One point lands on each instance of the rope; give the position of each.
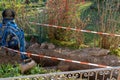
(61, 59)
(75, 29)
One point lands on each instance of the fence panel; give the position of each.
(91, 74)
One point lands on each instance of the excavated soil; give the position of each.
(92, 55)
(8, 58)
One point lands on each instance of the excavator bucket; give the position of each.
(27, 66)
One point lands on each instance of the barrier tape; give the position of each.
(75, 29)
(61, 59)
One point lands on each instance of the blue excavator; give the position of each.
(12, 36)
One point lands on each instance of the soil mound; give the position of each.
(91, 55)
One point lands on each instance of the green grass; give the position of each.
(116, 52)
(9, 70)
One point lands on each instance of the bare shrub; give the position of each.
(65, 13)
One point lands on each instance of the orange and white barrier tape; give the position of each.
(61, 59)
(74, 29)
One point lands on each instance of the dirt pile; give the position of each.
(92, 55)
(9, 57)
